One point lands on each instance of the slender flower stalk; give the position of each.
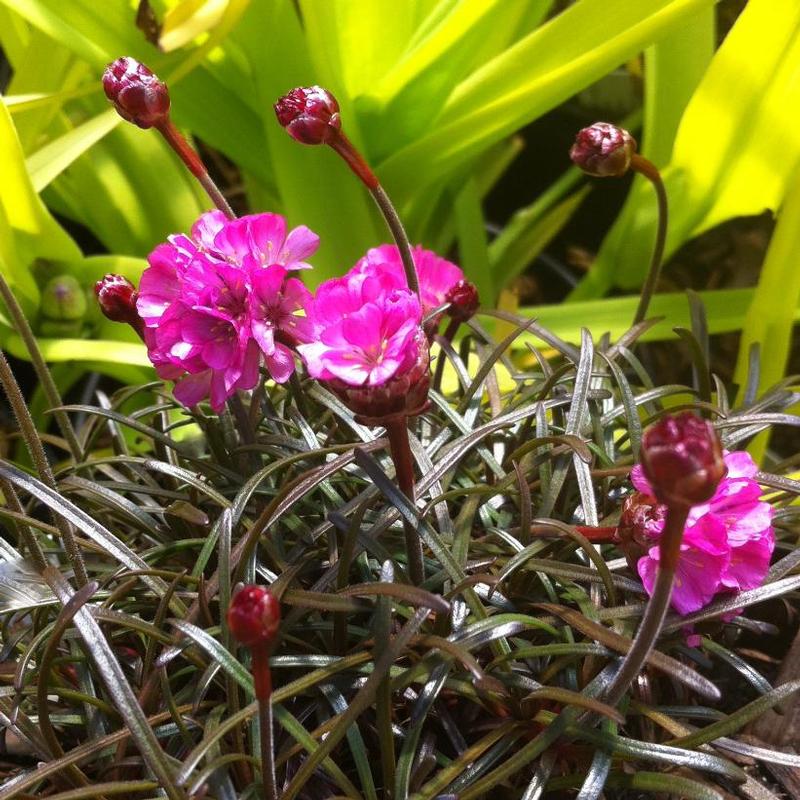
(142, 99)
(253, 619)
(682, 459)
(607, 151)
(310, 115)
(400, 448)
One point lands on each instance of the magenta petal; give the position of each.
(280, 363)
(221, 390)
(250, 367)
(640, 482)
(749, 563)
(267, 235)
(355, 373)
(208, 225)
(193, 388)
(313, 357)
(747, 522)
(301, 243)
(220, 353)
(264, 334)
(740, 464)
(267, 281)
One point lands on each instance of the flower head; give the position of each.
(218, 303)
(309, 114)
(440, 281)
(254, 616)
(727, 542)
(603, 150)
(368, 344)
(116, 296)
(682, 459)
(137, 94)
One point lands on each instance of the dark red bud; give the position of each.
(116, 297)
(137, 94)
(682, 458)
(463, 299)
(309, 114)
(603, 150)
(254, 616)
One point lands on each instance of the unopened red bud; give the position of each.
(603, 150)
(116, 296)
(463, 299)
(137, 94)
(309, 114)
(254, 616)
(682, 458)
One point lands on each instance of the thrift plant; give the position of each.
(351, 545)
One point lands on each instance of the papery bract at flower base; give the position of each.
(218, 302)
(727, 544)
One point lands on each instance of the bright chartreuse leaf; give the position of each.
(27, 229)
(187, 20)
(51, 160)
(773, 309)
(314, 186)
(543, 69)
(725, 309)
(731, 151)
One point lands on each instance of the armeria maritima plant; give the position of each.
(472, 638)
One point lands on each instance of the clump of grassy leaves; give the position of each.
(483, 680)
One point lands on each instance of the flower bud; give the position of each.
(254, 616)
(137, 94)
(116, 297)
(683, 460)
(603, 150)
(63, 300)
(463, 299)
(309, 114)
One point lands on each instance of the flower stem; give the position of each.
(34, 444)
(646, 636)
(345, 148)
(598, 534)
(42, 371)
(397, 431)
(187, 154)
(449, 333)
(650, 171)
(262, 679)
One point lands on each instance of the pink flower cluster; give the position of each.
(727, 543)
(219, 302)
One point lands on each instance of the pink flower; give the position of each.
(368, 343)
(218, 302)
(438, 277)
(727, 543)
